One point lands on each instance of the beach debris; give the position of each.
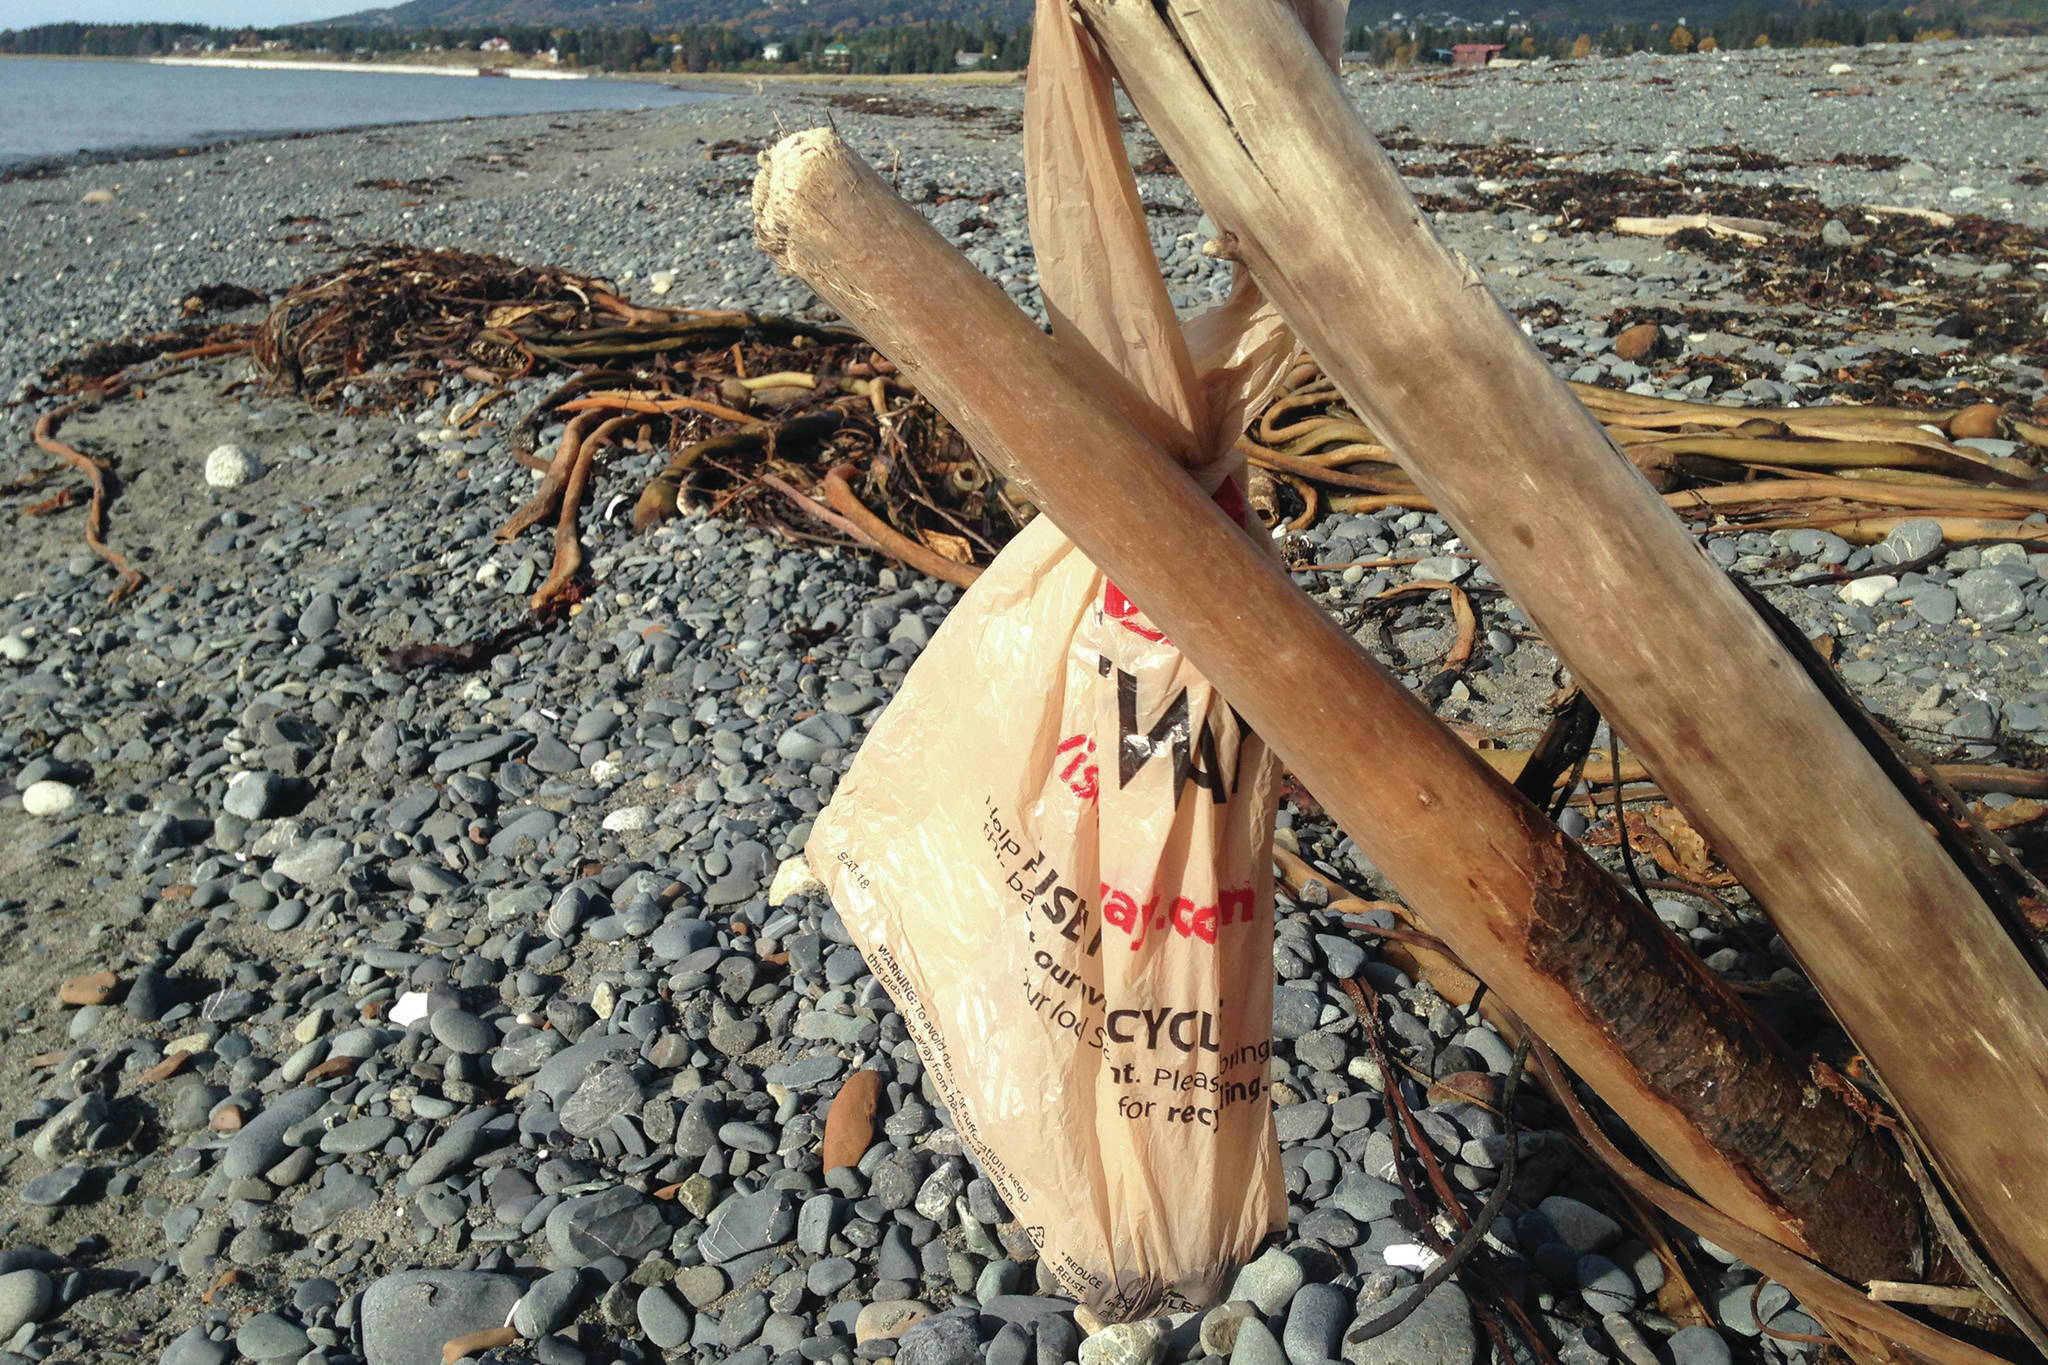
(98, 477)
(1753, 231)
(231, 466)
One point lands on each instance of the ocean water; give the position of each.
(52, 109)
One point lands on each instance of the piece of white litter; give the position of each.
(1410, 1256)
(793, 878)
(408, 1009)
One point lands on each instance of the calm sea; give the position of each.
(54, 109)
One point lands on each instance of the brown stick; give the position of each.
(544, 500)
(619, 402)
(1660, 1037)
(96, 511)
(568, 547)
(1887, 927)
(885, 537)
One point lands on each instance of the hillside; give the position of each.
(779, 16)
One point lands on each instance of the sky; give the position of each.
(225, 13)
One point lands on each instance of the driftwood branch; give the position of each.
(1659, 1036)
(1914, 964)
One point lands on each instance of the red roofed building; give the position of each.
(1476, 54)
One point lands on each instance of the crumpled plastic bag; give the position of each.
(1055, 846)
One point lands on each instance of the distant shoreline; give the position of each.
(531, 73)
(679, 80)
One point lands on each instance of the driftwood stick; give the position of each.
(1887, 927)
(1658, 1035)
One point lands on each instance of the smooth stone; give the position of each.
(750, 1222)
(1255, 1344)
(462, 1032)
(194, 1347)
(1271, 1281)
(548, 1305)
(1438, 1332)
(54, 1190)
(261, 1142)
(1315, 1324)
(1579, 1226)
(940, 1341)
(1699, 1346)
(267, 1336)
(25, 1296)
(1127, 1343)
(888, 1321)
(665, 1321)
(406, 1318)
(48, 797)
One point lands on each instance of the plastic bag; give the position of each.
(1054, 847)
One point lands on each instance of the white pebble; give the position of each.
(1868, 592)
(629, 819)
(409, 1008)
(13, 648)
(231, 466)
(47, 798)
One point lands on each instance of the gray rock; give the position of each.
(62, 1186)
(1255, 1344)
(1605, 1286)
(662, 1317)
(1908, 542)
(607, 1093)
(1315, 1324)
(462, 1031)
(340, 1193)
(1699, 1346)
(406, 1318)
(25, 1296)
(748, 1222)
(1295, 1011)
(548, 1305)
(261, 1142)
(267, 1336)
(939, 1341)
(1989, 597)
(1127, 1343)
(615, 1222)
(253, 795)
(313, 862)
(1934, 605)
(457, 1146)
(1438, 1332)
(1271, 1281)
(1578, 1226)
(194, 1347)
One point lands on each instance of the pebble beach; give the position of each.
(346, 1012)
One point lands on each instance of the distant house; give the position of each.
(771, 52)
(968, 61)
(1476, 54)
(495, 45)
(839, 55)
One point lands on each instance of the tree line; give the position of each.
(1749, 26)
(935, 47)
(690, 48)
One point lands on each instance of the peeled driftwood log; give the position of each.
(1918, 969)
(1659, 1036)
